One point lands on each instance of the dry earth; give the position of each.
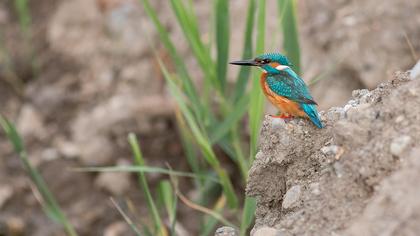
(357, 176)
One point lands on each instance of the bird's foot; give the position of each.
(282, 116)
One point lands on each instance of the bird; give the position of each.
(284, 88)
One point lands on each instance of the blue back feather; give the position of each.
(310, 110)
(287, 83)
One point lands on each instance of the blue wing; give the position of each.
(287, 83)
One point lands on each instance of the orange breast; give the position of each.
(286, 106)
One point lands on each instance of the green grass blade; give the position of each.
(190, 19)
(24, 15)
(210, 222)
(51, 206)
(210, 212)
(189, 26)
(257, 99)
(126, 218)
(222, 39)
(169, 200)
(139, 161)
(226, 146)
(146, 169)
(222, 200)
(188, 144)
(187, 83)
(202, 140)
(289, 26)
(240, 160)
(244, 71)
(248, 215)
(230, 120)
(167, 197)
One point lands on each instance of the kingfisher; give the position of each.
(284, 88)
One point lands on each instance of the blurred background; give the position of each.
(77, 76)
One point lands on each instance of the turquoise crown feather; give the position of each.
(277, 57)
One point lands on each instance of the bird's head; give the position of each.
(269, 62)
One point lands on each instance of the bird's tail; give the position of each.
(310, 110)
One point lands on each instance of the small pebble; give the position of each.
(6, 193)
(338, 169)
(415, 72)
(314, 187)
(292, 196)
(12, 226)
(359, 92)
(116, 183)
(267, 231)
(67, 149)
(399, 119)
(50, 154)
(330, 150)
(30, 123)
(412, 91)
(226, 231)
(4, 16)
(277, 122)
(399, 144)
(118, 228)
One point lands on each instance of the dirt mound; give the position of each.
(355, 177)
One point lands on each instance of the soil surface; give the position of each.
(357, 176)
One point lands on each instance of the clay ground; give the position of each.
(91, 86)
(357, 176)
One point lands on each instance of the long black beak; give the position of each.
(244, 63)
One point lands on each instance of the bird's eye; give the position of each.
(263, 61)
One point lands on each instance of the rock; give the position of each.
(338, 169)
(119, 228)
(30, 123)
(180, 229)
(399, 119)
(49, 154)
(96, 152)
(6, 192)
(413, 92)
(14, 226)
(67, 149)
(315, 189)
(330, 150)
(415, 72)
(292, 197)
(116, 183)
(4, 16)
(267, 231)
(399, 145)
(357, 94)
(276, 122)
(226, 231)
(334, 113)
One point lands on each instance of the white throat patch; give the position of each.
(281, 67)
